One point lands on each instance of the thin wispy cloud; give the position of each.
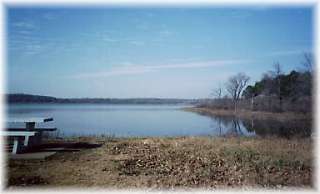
(29, 46)
(23, 30)
(200, 64)
(150, 14)
(127, 47)
(288, 52)
(108, 39)
(34, 49)
(166, 33)
(142, 26)
(27, 49)
(138, 69)
(50, 16)
(24, 24)
(184, 60)
(126, 63)
(104, 36)
(112, 72)
(241, 14)
(22, 39)
(137, 43)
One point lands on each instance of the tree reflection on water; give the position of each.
(228, 126)
(287, 129)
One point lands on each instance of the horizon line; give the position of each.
(106, 97)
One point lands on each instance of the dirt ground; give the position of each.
(166, 163)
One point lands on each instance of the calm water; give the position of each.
(137, 120)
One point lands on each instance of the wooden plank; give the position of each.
(45, 129)
(18, 133)
(35, 129)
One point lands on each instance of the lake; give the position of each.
(141, 120)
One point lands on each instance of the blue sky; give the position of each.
(149, 52)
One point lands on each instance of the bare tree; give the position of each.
(308, 62)
(277, 69)
(267, 79)
(235, 86)
(277, 73)
(217, 97)
(217, 93)
(304, 85)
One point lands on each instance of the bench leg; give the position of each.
(15, 145)
(26, 141)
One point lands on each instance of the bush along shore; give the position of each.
(177, 162)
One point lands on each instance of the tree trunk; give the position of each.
(280, 104)
(279, 93)
(252, 100)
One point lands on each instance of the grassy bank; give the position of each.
(184, 162)
(246, 114)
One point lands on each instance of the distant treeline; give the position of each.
(28, 98)
(275, 92)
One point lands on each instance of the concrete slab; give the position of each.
(31, 156)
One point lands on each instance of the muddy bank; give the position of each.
(165, 163)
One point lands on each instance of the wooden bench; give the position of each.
(18, 136)
(30, 135)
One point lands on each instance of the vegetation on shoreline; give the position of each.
(179, 163)
(247, 114)
(275, 92)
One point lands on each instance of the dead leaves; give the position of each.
(193, 166)
(167, 163)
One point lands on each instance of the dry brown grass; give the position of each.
(284, 116)
(185, 162)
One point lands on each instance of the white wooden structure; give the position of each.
(29, 135)
(16, 138)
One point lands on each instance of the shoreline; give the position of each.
(246, 114)
(172, 163)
